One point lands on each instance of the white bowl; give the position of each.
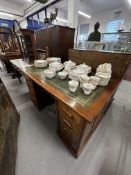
(87, 88)
(49, 73)
(63, 75)
(40, 63)
(73, 85)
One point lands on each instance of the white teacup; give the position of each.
(63, 75)
(87, 88)
(73, 85)
(49, 73)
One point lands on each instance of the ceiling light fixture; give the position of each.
(6, 14)
(84, 14)
(62, 20)
(129, 2)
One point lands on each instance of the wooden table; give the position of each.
(76, 122)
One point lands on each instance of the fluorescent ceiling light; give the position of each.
(129, 2)
(62, 20)
(84, 14)
(6, 14)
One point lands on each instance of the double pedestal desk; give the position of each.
(78, 114)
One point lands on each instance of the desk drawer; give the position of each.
(71, 125)
(71, 116)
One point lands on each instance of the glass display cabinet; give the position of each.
(117, 42)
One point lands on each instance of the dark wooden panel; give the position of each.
(119, 61)
(127, 75)
(29, 45)
(9, 120)
(58, 39)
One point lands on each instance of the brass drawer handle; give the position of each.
(67, 123)
(67, 132)
(69, 114)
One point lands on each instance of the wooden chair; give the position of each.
(43, 54)
(1, 60)
(32, 53)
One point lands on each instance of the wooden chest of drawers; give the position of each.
(70, 125)
(75, 130)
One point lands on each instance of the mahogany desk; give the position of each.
(77, 122)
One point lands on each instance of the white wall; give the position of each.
(23, 24)
(102, 17)
(106, 16)
(61, 14)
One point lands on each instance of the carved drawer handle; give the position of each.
(69, 114)
(65, 129)
(67, 123)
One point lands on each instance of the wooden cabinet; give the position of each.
(29, 45)
(9, 47)
(58, 39)
(9, 120)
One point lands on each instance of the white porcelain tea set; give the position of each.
(40, 63)
(69, 65)
(53, 59)
(63, 75)
(77, 73)
(104, 72)
(48, 73)
(73, 85)
(56, 66)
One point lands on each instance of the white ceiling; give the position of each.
(14, 6)
(103, 5)
(18, 6)
(15, 3)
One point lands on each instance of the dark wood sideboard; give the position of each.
(57, 38)
(77, 122)
(9, 46)
(9, 121)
